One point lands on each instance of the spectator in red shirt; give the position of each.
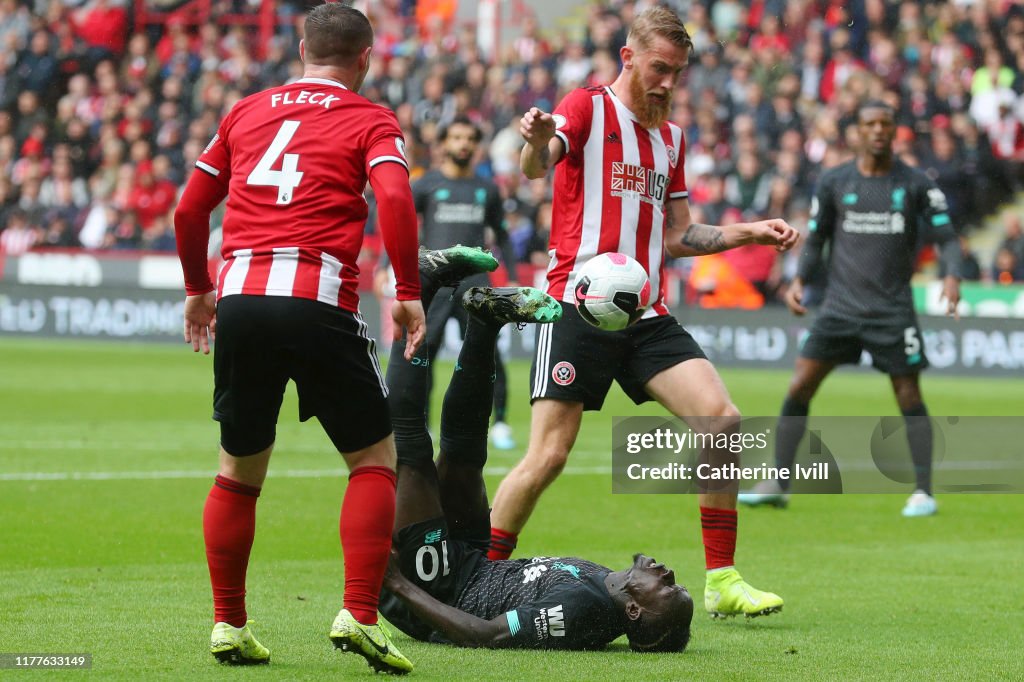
(769, 37)
(150, 197)
(103, 27)
(839, 69)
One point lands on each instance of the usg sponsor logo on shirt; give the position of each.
(629, 180)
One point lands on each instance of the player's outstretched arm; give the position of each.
(463, 629)
(542, 150)
(694, 239)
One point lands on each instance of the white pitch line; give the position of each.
(125, 446)
(287, 473)
(116, 446)
(339, 472)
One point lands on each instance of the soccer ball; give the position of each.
(612, 291)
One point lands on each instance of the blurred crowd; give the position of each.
(101, 121)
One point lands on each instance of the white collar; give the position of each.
(619, 103)
(322, 81)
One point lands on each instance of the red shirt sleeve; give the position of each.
(573, 120)
(388, 171)
(216, 159)
(396, 217)
(386, 145)
(192, 228)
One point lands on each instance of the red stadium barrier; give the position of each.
(199, 12)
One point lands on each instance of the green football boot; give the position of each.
(448, 267)
(520, 305)
(372, 642)
(237, 646)
(727, 594)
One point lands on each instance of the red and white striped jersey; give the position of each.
(297, 158)
(611, 189)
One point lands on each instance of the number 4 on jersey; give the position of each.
(286, 179)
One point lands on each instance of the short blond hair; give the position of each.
(658, 21)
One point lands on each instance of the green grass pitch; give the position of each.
(106, 556)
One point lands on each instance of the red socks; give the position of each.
(229, 525)
(367, 517)
(718, 527)
(502, 544)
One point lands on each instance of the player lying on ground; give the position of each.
(440, 587)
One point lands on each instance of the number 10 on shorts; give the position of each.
(427, 574)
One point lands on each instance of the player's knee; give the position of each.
(546, 464)
(729, 411)
(908, 397)
(723, 416)
(720, 416)
(800, 391)
(379, 454)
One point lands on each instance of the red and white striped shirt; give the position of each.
(611, 189)
(296, 159)
(15, 241)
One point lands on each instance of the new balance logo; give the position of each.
(613, 137)
(434, 258)
(432, 536)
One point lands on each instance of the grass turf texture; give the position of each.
(115, 567)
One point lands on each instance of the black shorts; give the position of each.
(896, 349)
(576, 361)
(435, 561)
(263, 341)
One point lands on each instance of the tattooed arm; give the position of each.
(684, 238)
(701, 239)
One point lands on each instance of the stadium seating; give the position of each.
(104, 105)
